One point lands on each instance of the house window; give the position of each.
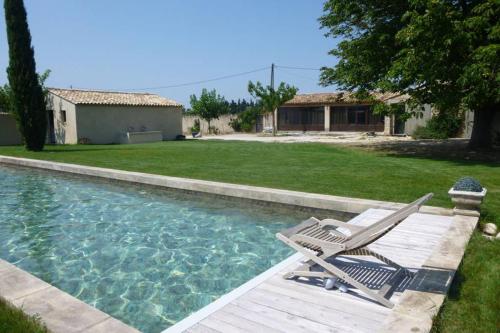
(63, 116)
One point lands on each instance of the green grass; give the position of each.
(472, 304)
(13, 320)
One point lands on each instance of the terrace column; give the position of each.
(389, 125)
(327, 118)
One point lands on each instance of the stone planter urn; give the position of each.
(467, 195)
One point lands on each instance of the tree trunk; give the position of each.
(481, 129)
(208, 121)
(274, 123)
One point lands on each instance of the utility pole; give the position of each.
(275, 115)
(272, 75)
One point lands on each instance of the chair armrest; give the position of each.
(340, 224)
(299, 227)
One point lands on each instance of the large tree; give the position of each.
(270, 99)
(442, 52)
(209, 106)
(28, 101)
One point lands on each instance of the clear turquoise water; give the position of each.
(145, 256)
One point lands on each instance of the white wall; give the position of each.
(64, 132)
(414, 122)
(104, 124)
(222, 124)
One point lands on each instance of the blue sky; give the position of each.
(129, 44)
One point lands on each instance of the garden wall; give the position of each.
(9, 135)
(222, 124)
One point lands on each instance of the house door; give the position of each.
(399, 125)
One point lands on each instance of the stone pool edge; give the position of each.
(256, 193)
(59, 311)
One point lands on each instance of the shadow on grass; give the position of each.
(454, 150)
(454, 294)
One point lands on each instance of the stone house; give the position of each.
(101, 117)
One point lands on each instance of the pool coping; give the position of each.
(255, 193)
(59, 311)
(278, 196)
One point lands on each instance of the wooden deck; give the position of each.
(279, 305)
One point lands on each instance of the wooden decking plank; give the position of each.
(337, 319)
(240, 322)
(347, 299)
(254, 317)
(221, 326)
(327, 300)
(199, 328)
(288, 322)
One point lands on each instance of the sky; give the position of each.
(150, 46)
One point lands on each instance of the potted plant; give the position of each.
(467, 194)
(195, 130)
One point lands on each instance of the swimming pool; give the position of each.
(146, 256)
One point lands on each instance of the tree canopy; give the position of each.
(441, 52)
(6, 92)
(270, 98)
(209, 106)
(27, 100)
(240, 105)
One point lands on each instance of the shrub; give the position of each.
(245, 122)
(235, 124)
(442, 126)
(468, 184)
(196, 126)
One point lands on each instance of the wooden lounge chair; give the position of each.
(321, 240)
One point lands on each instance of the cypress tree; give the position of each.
(28, 101)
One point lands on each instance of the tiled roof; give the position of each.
(95, 97)
(335, 98)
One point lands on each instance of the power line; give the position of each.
(201, 81)
(224, 77)
(300, 68)
(298, 75)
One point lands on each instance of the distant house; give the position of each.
(87, 116)
(338, 111)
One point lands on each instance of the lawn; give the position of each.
(472, 305)
(13, 320)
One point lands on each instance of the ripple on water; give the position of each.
(145, 256)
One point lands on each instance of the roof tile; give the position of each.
(335, 98)
(94, 97)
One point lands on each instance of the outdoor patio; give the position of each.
(432, 246)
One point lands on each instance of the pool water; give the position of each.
(146, 256)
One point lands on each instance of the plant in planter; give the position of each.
(467, 194)
(195, 130)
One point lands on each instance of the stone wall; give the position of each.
(9, 134)
(222, 124)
